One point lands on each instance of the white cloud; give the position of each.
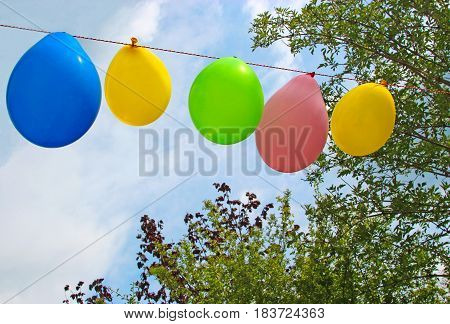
(46, 217)
(140, 20)
(55, 202)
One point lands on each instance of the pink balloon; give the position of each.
(294, 127)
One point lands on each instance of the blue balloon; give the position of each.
(54, 92)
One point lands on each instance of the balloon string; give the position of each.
(422, 89)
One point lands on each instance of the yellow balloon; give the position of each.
(363, 120)
(137, 86)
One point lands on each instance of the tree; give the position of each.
(403, 186)
(241, 252)
(378, 235)
(232, 252)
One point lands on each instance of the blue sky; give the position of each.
(55, 202)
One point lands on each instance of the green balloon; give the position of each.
(226, 101)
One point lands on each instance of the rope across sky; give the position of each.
(215, 58)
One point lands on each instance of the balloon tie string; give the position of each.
(312, 74)
(134, 41)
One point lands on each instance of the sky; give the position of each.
(55, 202)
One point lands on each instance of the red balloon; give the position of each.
(294, 127)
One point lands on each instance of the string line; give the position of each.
(422, 89)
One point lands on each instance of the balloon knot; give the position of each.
(384, 83)
(134, 41)
(312, 74)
